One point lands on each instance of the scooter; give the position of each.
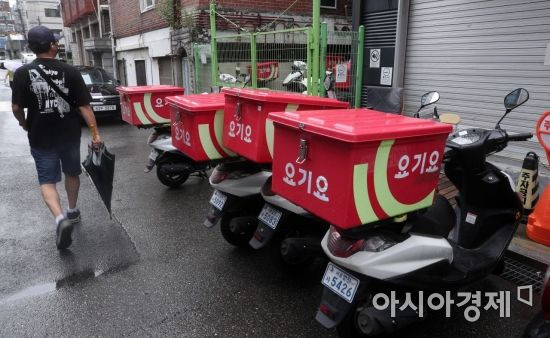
(236, 200)
(293, 234)
(296, 81)
(431, 250)
(239, 77)
(173, 167)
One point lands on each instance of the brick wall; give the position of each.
(5, 6)
(277, 6)
(128, 19)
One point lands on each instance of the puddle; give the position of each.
(66, 282)
(33, 291)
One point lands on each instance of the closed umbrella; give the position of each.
(100, 167)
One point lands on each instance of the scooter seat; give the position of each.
(438, 220)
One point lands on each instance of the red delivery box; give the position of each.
(357, 166)
(246, 128)
(146, 105)
(197, 125)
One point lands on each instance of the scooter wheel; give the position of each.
(295, 265)
(358, 323)
(241, 237)
(170, 180)
(349, 326)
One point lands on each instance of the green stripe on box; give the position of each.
(361, 194)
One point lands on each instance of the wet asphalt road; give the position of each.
(155, 270)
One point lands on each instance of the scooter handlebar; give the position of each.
(520, 137)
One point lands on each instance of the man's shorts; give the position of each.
(50, 162)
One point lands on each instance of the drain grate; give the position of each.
(523, 271)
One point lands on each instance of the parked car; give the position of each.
(102, 86)
(539, 327)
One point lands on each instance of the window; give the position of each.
(106, 21)
(147, 5)
(328, 3)
(95, 30)
(52, 12)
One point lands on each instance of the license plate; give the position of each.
(102, 108)
(270, 216)
(218, 200)
(340, 282)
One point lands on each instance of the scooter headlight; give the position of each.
(378, 243)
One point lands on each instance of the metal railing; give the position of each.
(282, 60)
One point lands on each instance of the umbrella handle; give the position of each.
(96, 148)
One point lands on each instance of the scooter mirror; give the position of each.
(513, 100)
(429, 98)
(449, 118)
(516, 98)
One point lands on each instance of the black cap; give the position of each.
(42, 35)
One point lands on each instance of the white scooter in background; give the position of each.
(296, 81)
(232, 81)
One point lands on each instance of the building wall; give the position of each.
(4, 6)
(94, 47)
(33, 13)
(148, 46)
(300, 7)
(7, 24)
(130, 20)
(145, 36)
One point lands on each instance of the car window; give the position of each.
(96, 77)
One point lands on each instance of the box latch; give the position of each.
(302, 152)
(237, 114)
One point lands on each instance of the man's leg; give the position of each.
(49, 173)
(70, 164)
(51, 197)
(72, 185)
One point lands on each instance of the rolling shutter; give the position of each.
(475, 52)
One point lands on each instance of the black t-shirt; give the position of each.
(51, 121)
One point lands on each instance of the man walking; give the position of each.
(54, 93)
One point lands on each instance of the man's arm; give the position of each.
(19, 114)
(89, 117)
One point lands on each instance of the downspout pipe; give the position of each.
(113, 43)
